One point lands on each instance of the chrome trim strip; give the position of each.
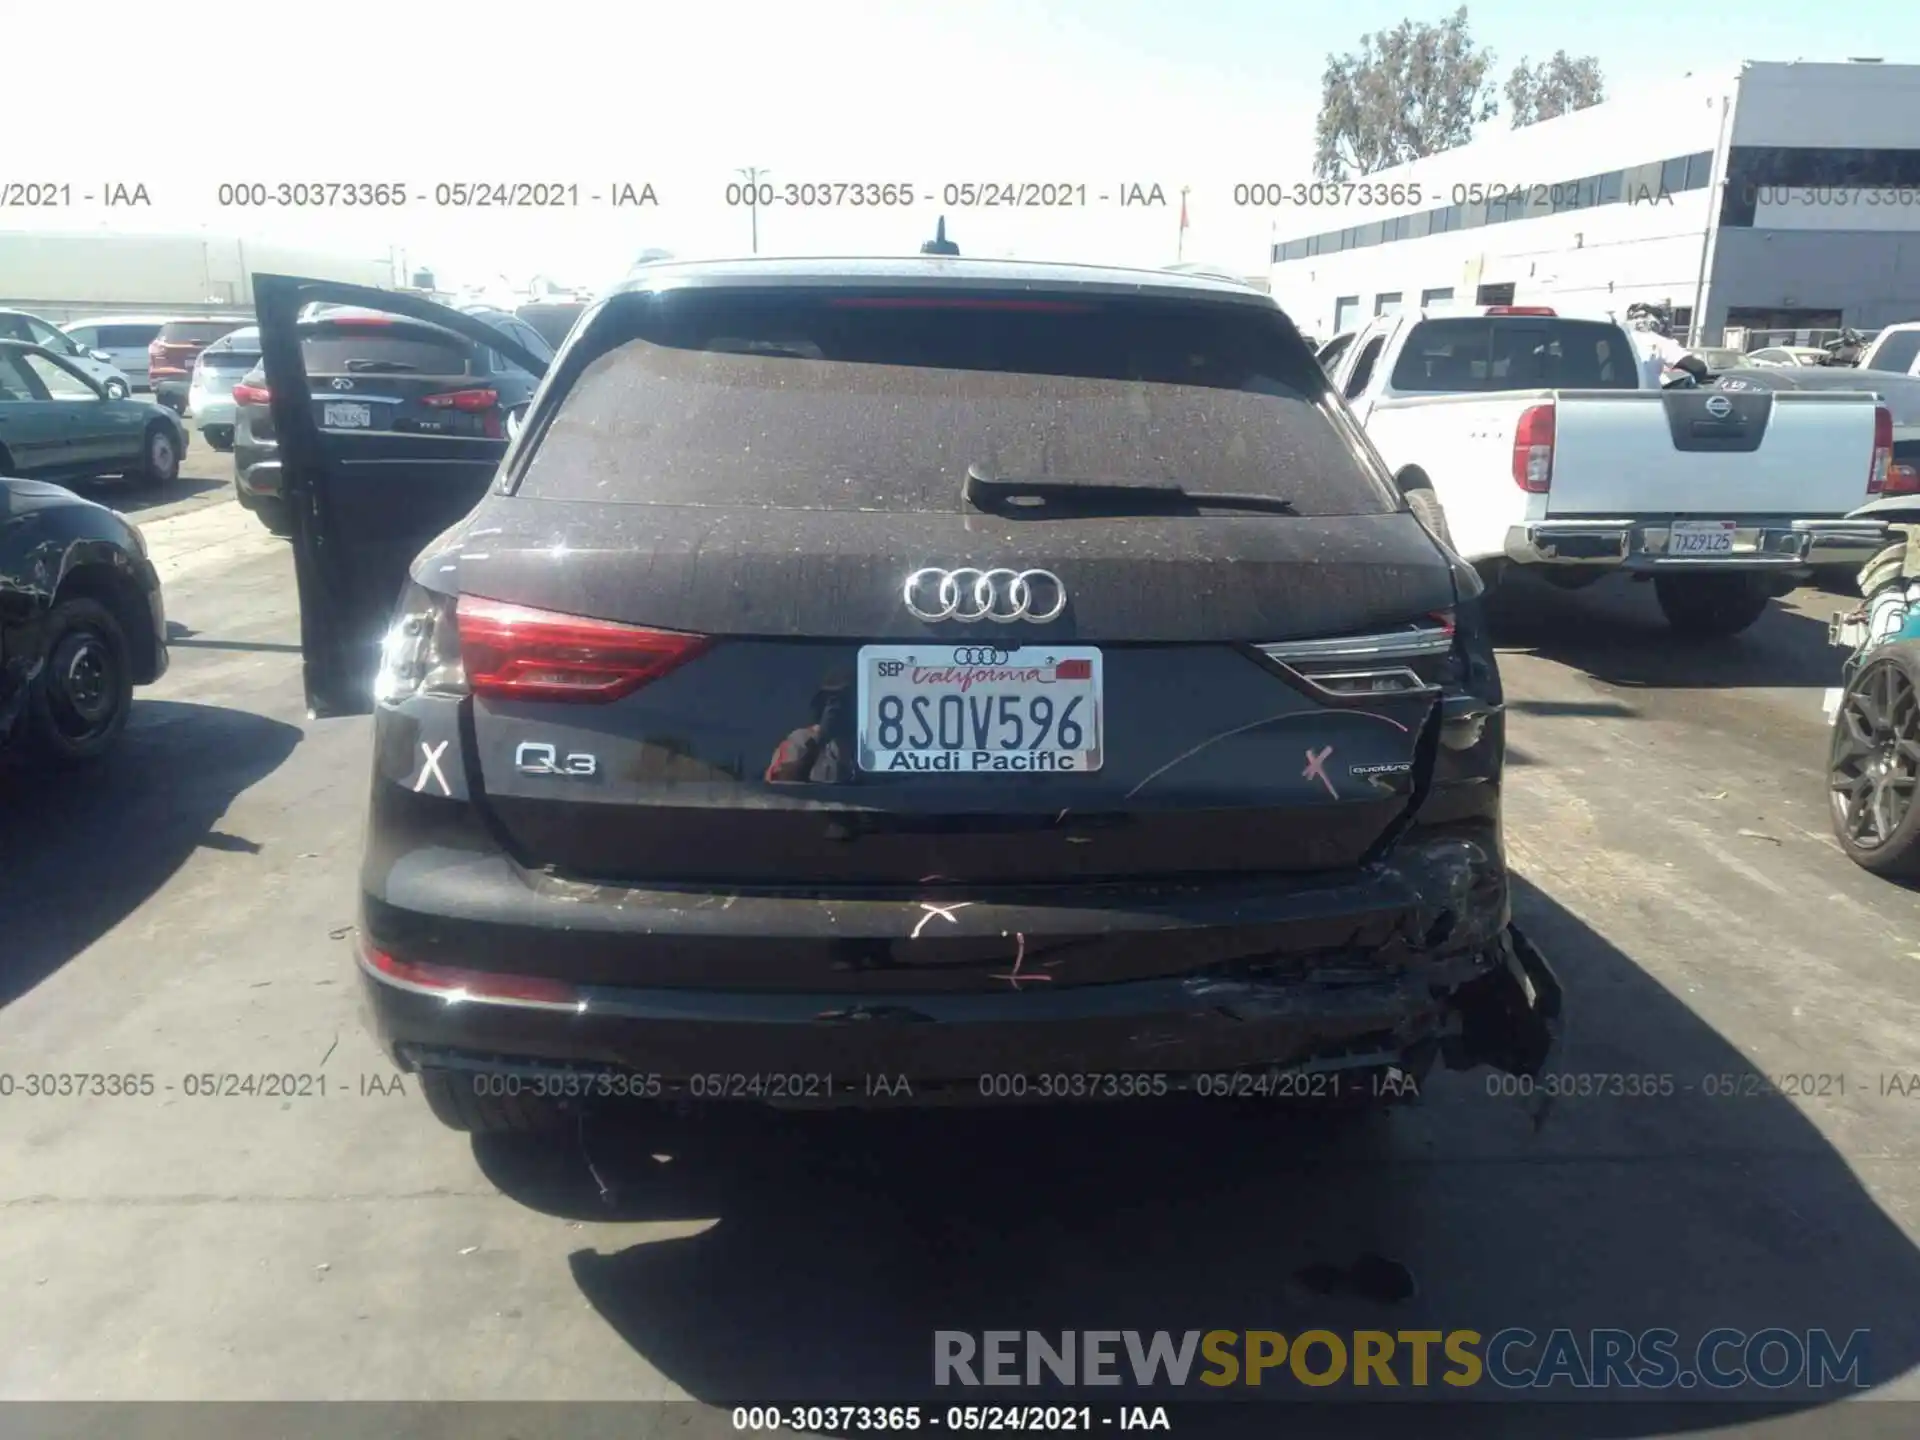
(1390, 645)
(463, 997)
(1318, 681)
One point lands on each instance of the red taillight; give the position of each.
(1442, 618)
(245, 394)
(513, 652)
(1533, 450)
(1520, 310)
(1879, 471)
(459, 984)
(1902, 479)
(468, 400)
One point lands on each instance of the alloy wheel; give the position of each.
(1875, 763)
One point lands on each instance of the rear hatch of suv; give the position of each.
(697, 636)
(223, 364)
(171, 353)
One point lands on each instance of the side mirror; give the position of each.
(102, 356)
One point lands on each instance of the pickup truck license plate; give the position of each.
(979, 709)
(337, 415)
(1700, 537)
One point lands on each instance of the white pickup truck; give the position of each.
(1534, 434)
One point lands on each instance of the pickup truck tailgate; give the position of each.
(1710, 452)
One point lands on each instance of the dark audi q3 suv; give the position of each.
(919, 678)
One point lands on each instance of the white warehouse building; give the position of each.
(1782, 198)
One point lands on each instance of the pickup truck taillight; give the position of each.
(1533, 449)
(1882, 465)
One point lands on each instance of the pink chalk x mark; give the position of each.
(1316, 769)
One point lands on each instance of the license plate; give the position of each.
(979, 709)
(337, 415)
(1700, 537)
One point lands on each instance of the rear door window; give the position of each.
(1899, 352)
(1363, 368)
(1493, 353)
(857, 401)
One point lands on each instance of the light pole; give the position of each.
(754, 175)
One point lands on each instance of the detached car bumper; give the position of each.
(471, 965)
(1644, 545)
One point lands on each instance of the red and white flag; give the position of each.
(1183, 209)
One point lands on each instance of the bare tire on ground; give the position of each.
(464, 1100)
(159, 456)
(1873, 763)
(1711, 605)
(81, 701)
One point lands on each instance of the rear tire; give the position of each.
(1873, 763)
(1711, 606)
(1427, 510)
(458, 1103)
(82, 699)
(159, 456)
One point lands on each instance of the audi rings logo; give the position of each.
(969, 596)
(980, 655)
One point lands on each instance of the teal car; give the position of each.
(56, 423)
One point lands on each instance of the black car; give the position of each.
(81, 623)
(373, 369)
(863, 680)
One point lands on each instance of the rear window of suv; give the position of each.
(195, 332)
(851, 401)
(356, 348)
(1491, 353)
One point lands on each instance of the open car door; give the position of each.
(389, 429)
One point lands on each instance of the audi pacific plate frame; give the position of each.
(1056, 685)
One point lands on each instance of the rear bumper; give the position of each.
(1329, 977)
(259, 479)
(1640, 544)
(211, 412)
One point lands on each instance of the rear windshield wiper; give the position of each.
(379, 367)
(1015, 493)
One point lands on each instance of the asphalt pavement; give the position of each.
(188, 909)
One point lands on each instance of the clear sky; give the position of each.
(1105, 93)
